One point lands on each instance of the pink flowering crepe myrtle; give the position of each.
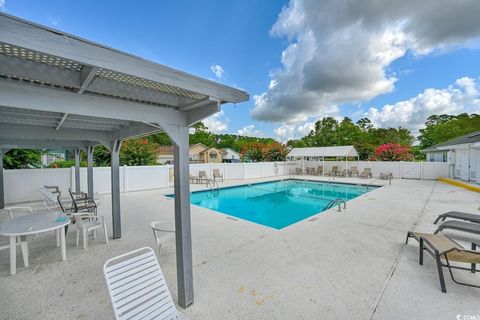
(392, 152)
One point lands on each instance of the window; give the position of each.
(445, 157)
(213, 155)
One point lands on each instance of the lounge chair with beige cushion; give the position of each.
(444, 250)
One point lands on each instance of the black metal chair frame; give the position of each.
(438, 255)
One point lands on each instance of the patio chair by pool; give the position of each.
(367, 173)
(163, 232)
(50, 195)
(137, 287)
(298, 171)
(82, 203)
(441, 247)
(463, 226)
(202, 176)
(334, 172)
(194, 179)
(319, 170)
(459, 216)
(354, 172)
(87, 223)
(217, 175)
(385, 175)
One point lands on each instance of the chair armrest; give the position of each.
(55, 188)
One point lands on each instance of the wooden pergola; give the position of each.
(58, 90)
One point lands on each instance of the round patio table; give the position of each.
(37, 222)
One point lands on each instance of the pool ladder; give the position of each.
(337, 202)
(212, 184)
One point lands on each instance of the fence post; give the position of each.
(72, 177)
(401, 169)
(421, 170)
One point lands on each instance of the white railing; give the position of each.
(20, 185)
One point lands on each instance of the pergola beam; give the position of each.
(86, 77)
(44, 144)
(60, 123)
(15, 131)
(27, 96)
(137, 130)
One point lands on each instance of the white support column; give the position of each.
(115, 183)
(2, 188)
(90, 171)
(183, 236)
(77, 170)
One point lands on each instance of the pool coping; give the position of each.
(170, 195)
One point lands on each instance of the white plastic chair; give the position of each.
(163, 232)
(86, 222)
(22, 241)
(137, 287)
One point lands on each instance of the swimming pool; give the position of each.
(277, 204)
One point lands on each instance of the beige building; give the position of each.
(199, 153)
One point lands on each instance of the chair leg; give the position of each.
(85, 238)
(420, 258)
(106, 233)
(440, 273)
(158, 250)
(438, 218)
(94, 234)
(438, 230)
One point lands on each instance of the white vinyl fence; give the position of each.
(20, 185)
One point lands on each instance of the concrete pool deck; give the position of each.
(334, 265)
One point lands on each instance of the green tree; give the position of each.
(22, 159)
(138, 152)
(441, 128)
(252, 152)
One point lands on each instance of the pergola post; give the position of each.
(115, 177)
(2, 189)
(90, 171)
(77, 170)
(182, 218)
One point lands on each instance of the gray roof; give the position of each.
(472, 137)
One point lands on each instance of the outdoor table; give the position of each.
(37, 222)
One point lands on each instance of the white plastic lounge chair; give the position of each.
(87, 222)
(137, 287)
(163, 232)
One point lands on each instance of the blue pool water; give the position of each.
(276, 204)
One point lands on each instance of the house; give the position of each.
(199, 153)
(230, 155)
(463, 155)
(50, 156)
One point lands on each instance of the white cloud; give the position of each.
(287, 131)
(217, 123)
(340, 52)
(250, 131)
(217, 70)
(463, 96)
(2, 5)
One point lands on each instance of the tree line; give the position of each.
(370, 142)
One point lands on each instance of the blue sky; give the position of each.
(395, 67)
